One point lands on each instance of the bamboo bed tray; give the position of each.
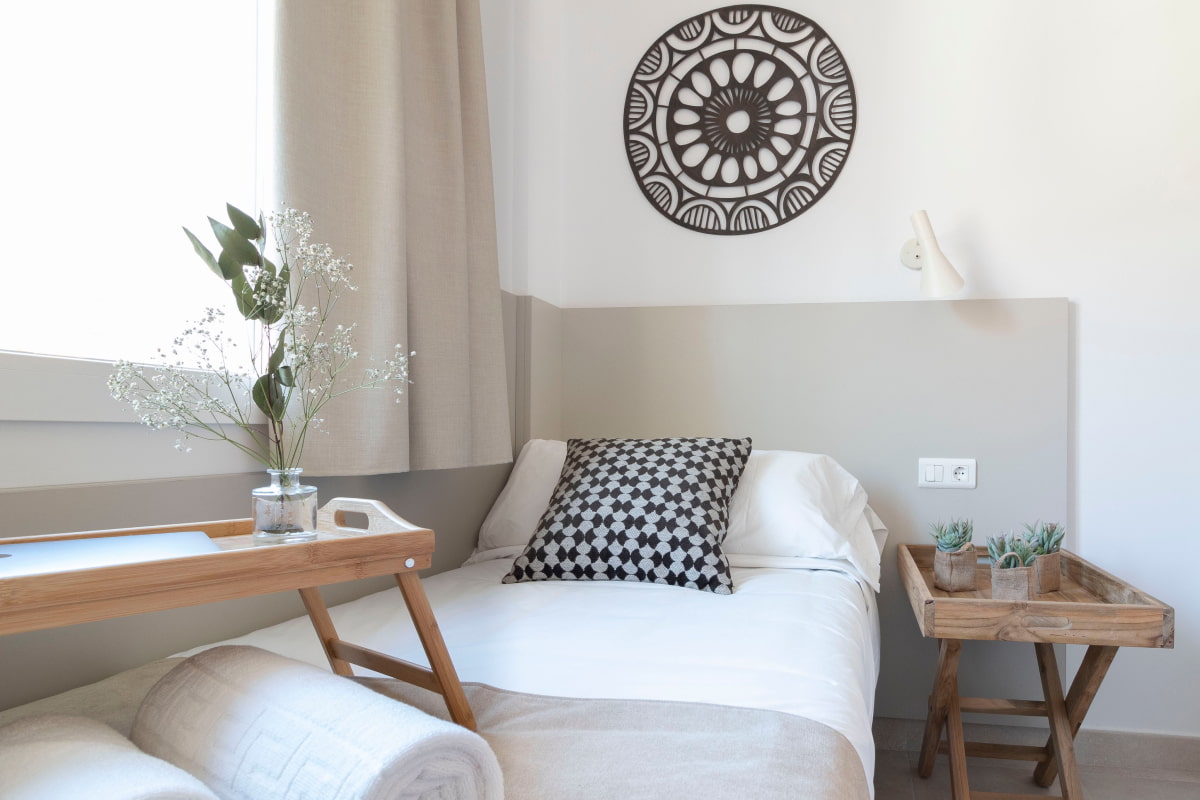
(240, 569)
(389, 545)
(1092, 607)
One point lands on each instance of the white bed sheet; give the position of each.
(803, 640)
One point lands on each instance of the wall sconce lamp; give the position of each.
(938, 276)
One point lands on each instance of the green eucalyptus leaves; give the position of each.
(260, 290)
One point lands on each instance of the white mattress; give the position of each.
(800, 640)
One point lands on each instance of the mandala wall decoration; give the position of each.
(739, 119)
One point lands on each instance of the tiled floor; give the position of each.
(896, 779)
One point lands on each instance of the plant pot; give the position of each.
(955, 571)
(1047, 574)
(285, 511)
(1012, 583)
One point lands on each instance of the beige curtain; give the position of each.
(382, 135)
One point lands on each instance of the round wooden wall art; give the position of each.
(739, 119)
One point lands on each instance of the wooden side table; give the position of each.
(1092, 608)
(389, 545)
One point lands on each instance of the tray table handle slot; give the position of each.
(380, 518)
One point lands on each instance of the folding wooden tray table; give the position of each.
(1092, 608)
(242, 568)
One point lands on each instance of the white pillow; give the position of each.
(802, 505)
(515, 514)
(787, 505)
(55, 755)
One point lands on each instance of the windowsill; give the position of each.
(61, 427)
(53, 389)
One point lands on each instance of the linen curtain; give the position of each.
(381, 134)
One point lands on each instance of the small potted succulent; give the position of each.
(1046, 541)
(1012, 568)
(954, 560)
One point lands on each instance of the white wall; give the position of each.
(1056, 146)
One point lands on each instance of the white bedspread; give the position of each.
(799, 640)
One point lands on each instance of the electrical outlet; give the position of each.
(946, 473)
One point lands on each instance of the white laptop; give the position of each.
(33, 558)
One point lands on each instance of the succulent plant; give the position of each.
(1000, 546)
(1045, 538)
(951, 538)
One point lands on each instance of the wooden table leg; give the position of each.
(1060, 723)
(435, 649)
(945, 687)
(319, 614)
(960, 788)
(1079, 700)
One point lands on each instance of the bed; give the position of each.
(636, 687)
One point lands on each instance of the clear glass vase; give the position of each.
(285, 511)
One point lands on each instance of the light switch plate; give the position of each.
(946, 473)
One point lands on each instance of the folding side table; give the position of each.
(1091, 608)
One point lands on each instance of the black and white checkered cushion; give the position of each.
(649, 510)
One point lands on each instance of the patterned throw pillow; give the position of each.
(648, 510)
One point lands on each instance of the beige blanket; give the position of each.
(552, 747)
(572, 749)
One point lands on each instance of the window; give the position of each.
(123, 120)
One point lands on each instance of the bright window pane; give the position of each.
(123, 120)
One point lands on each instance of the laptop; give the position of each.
(34, 558)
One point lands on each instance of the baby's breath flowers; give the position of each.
(297, 356)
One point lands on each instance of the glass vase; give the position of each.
(285, 511)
